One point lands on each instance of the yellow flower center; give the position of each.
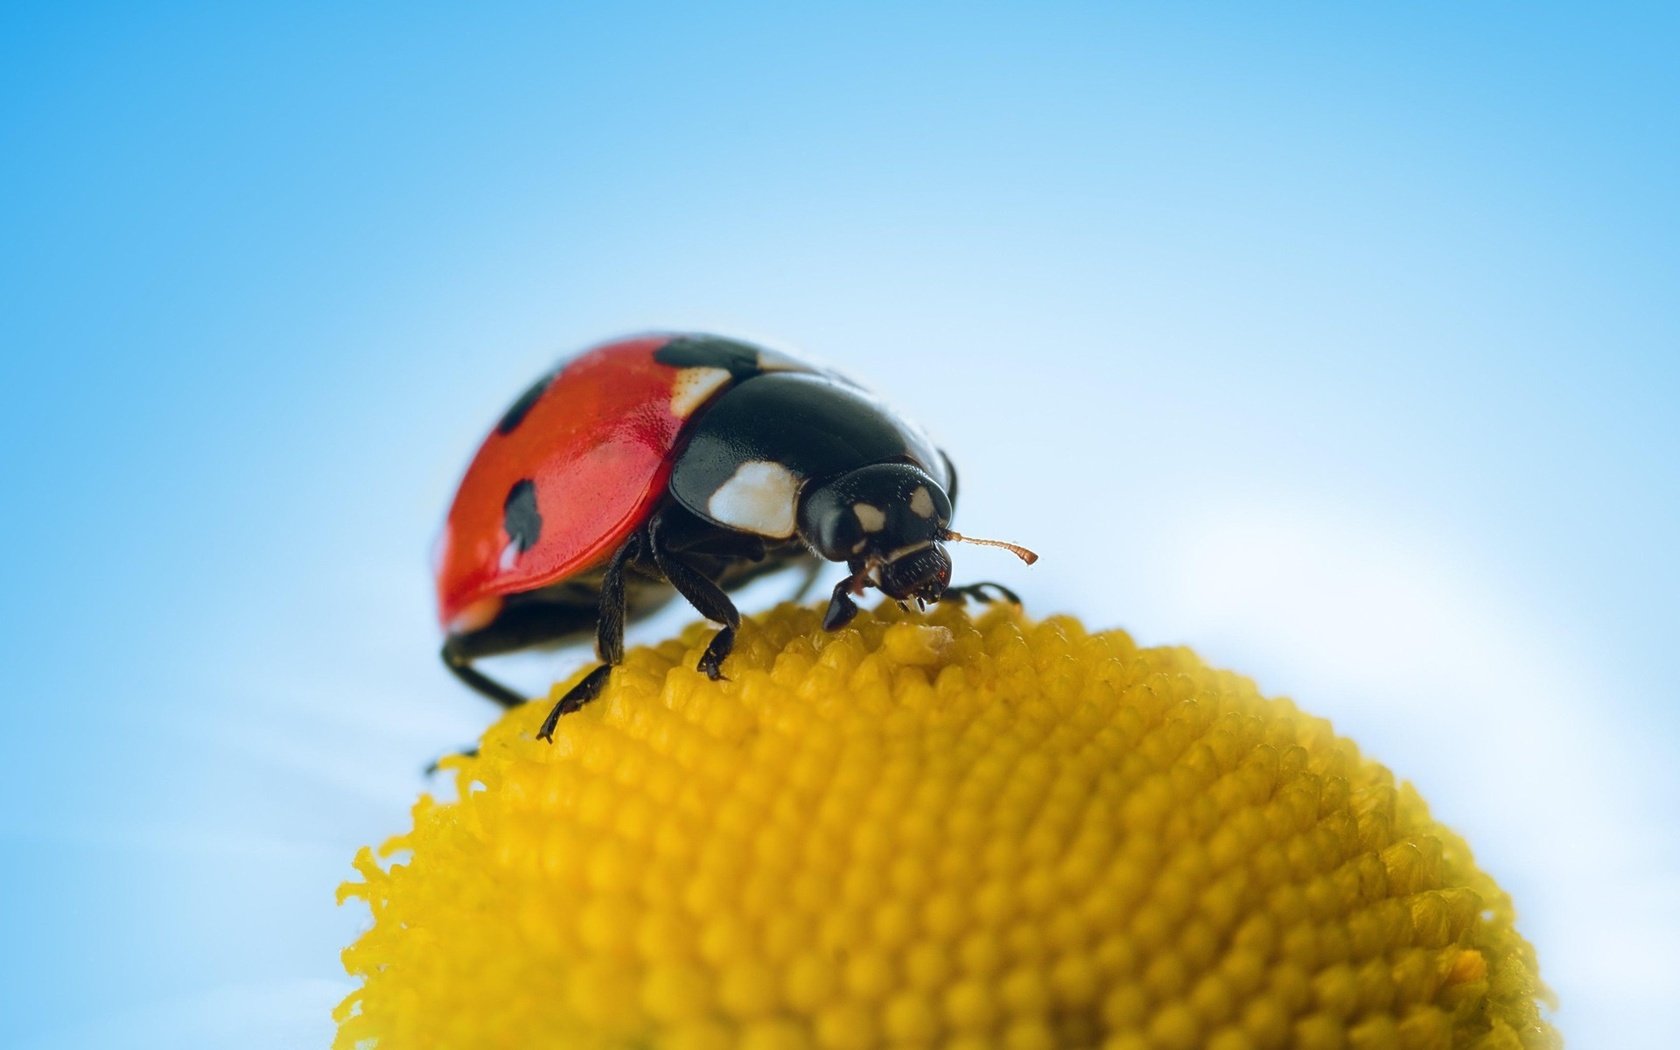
(932, 831)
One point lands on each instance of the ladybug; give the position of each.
(666, 465)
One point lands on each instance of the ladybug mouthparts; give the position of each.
(923, 573)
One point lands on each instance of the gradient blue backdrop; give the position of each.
(1339, 344)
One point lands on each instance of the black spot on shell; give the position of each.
(515, 414)
(520, 517)
(710, 351)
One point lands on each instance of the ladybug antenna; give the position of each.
(1014, 548)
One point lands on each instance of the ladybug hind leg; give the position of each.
(523, 622)
(702, 592)
(461, 666)
(609, 637)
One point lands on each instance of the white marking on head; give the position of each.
(921, 503)
(510, 556)
(871, 517)
(693, 386)
(760, 497)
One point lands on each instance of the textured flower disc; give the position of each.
(932, 831)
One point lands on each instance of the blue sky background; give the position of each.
(1339, 344)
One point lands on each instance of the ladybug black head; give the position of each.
(887, 520)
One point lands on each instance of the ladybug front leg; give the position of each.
(609, 637)
(703, 593)
(841, 607)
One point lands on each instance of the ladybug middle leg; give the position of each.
(609, 636)
(701, 591)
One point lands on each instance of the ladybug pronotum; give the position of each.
(668, 465)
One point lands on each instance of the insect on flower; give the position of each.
(668, 465)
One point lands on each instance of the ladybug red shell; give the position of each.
(572, 467)
(668, 465)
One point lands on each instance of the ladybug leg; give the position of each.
(520, 624)
(977, 591)
(609, 637)
(841, 608)
(711, 661)
(704, 594)
(575, 697)
(459, 664)
(437, 763)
